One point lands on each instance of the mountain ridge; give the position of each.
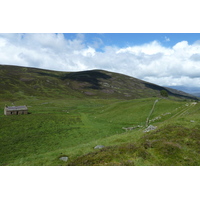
(22, 82)
(195, 91)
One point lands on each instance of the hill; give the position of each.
(23, 82)
(72, 113)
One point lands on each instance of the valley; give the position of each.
(71, 113)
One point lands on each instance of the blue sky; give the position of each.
(163, 59)
(130, 39)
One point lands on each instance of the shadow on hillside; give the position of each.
(156, 87)
(91, 77)
(48, 74)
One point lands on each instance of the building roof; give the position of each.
(16, 108)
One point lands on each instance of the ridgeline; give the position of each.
(24, 82)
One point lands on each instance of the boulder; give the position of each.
(150, 128)
(64, 158)
(99, 147)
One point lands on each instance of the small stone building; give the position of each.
(15, 110)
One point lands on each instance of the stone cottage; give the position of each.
(15, 110)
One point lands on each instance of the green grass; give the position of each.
(168, 146)
(50, 126)
(71, 113)
(72, 128)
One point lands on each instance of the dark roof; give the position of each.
(16, 108)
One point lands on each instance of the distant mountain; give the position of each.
(190, 90)
(196, 94)
(23, 82)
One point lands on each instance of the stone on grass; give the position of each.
(64, 159)
(99, 147)
(150, 128)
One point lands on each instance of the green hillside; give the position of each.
(70, 114)
(22, 83)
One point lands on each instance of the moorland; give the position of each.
(70, 113)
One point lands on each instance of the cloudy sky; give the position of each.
(164, 59)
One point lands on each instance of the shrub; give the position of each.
(164, 93)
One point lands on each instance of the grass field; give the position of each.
(73, 127)
(71, 113)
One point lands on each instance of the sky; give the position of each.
(168, 59)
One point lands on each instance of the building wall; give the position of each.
(20, 112)
(7, 113)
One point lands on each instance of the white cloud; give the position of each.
(89, 52)
(96, 43)
(148, 49)
(181, 45)
(174, 81)
(179, 65)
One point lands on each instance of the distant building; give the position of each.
(15, 110)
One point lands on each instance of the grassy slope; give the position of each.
(72, 128)
(175, 142)
(73, 112)
(25, 83)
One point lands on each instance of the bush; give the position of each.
(164, 93)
